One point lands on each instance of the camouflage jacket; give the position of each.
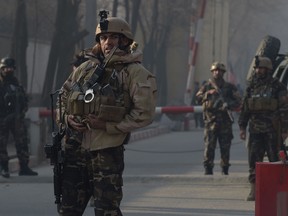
(265, 106)
(135, 89)
(217, 107)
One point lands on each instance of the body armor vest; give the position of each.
(14, 98)
(108, 102)
(262, 99)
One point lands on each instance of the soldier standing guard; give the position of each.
(218, 98)
(13, 106)
(265, 109)
(102, 101)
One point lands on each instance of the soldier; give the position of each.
(100, 108)
(218, 98)
(265, 109)
(13, 106)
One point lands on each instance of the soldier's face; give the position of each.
(6, 71)
(108, 41)
(261, 72)
(217, 73)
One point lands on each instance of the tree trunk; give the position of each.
(66, 36)
(20, 42)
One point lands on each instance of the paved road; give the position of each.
(163, 176)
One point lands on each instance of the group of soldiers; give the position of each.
(109, 94)
(263, 110)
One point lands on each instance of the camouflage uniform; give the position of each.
(94, 159)
(218, 124)
(13, 106)
(265, 121)
(265, 109)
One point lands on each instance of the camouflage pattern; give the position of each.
(92, 173)
(258, 145)
(100, 174)
(19, 132)
(13, 105)
(218, 125)
(267, 123)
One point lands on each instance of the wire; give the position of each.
(171, 152)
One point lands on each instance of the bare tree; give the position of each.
(66, 36)
(20, 42)
(135, 15)
(115, 7)
(157, 19)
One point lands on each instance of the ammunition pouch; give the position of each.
(104, 107)
(111, 113)
(76, 103)
(261, 104)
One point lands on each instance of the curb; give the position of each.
(147, 133)
(199, 179)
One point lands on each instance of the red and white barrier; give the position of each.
(179, 109)
(44, 112)
(194, 42)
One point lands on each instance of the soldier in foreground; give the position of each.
(218, 98)
(13, 106)
(265, 109)
(102, 101)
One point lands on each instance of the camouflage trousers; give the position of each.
(224, 137)
(258, 145)
(97, 174)
(20, 137)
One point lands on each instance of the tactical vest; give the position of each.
(14, 99)
(262, 99)
(110, 103)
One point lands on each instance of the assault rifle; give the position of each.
(56, 155)
(222, 100)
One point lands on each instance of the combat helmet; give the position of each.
(262, 61)
(8, 62)
(113, 25)
(218, 65)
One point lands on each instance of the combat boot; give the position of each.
(225, 170)
(251, 196)
(5, 169)
(208, 171)
(26, 171)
